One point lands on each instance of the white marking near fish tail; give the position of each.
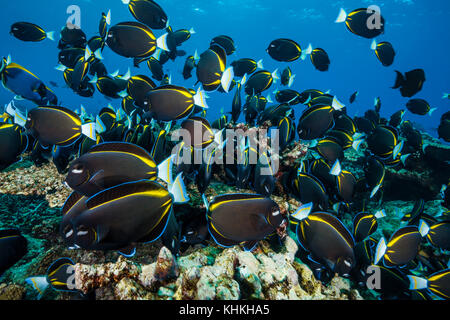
(38, 283)
(227, 79)
(161, 42)
(259, 64)
(88, 129)
(165, 170)
(380, 250)
(51, 35)
(200, 99)
(423, 228)
(342, 16)
(417, 283)
(178, 190)
(303, 212)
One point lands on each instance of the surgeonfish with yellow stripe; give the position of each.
(401, 248)
(320, 59)
(438, 234)
(120, 217)
(309, 189)
(148, 12)
(260, 81)
(105, 21)
(171, 102)
(437, 283)
(243, 219)
(211, 71)
(245, 66)
(363, 22)
(200, 132)
(60, 126)
(284, 50)
(131, 40)
(365, 224)
(27, 31)
(326, 238)
(385, 52)
(13, 246)
(60, 276)
(111, 163)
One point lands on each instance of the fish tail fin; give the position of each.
(165, 170)
(259, 64)
(94, 79)
(244, 80)
(51, 35)
(108, 18)
(399, 80)
(123, 93)
(196, 56)
(98, 54)
(380, 250)
(303, 211)
(404, 157)
(126, 1)
(227, 79)
(192, 31)
(306, 52)
(431, 111)
(291, 81)
(38, 283)
(337, 105)
(269, 99)
(61, 67)
(336, 168)
(374, 191)
(161, 42)
(342, 16)
(114, 74)
(200, 98)
(356, 144)
(88, 129)
(275, 75)
(205, 202)
(178, 190)
(423, 228)
(445, 95)
(19, 118)
(380, 214)
(99, 125)
(417, 283)
(127, 75)
(373, 46)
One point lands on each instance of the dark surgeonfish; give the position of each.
(72, 37)
(57, 126)
(260, 81)
(13, 142)
(131, 40)
(438, 234)
(201, 134)
(105, 21)
(320, 59)
(148, 12)
(401, 248)
(365, 224)
(26, 31)
(171, 102)
(13, 246)
(243, 219)
(410, 83)
(309, 189)
(211, 71)
(245, 66)
(112, 163)
(385, 52)
(364, 22)
(189, 65)
(225, 42)
(60, 276)
(120, 217)
(285, 50)
(326, 238)
(420, 107)
(437, 283)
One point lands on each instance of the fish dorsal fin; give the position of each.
(126, 189)
(121, 147)
(71, 201)
(62, 109)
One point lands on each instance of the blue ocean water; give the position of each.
(416, 28)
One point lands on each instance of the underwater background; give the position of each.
(31, 197)
(416, 28)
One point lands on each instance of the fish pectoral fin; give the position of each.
(219, 239)
(98, 178)
(102, 232)
(128, 251)
(250, 245)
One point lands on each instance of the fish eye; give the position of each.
(78, 168)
